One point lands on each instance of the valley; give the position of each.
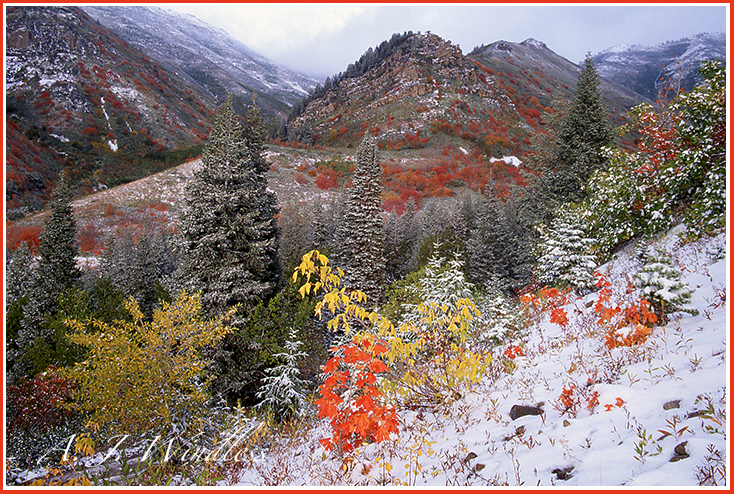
(485, 268)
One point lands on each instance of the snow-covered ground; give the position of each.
(660, 418)
(646, 415)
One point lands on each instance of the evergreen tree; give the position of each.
(229, 225)
(584, 132)
(362, 254)
(56, 272)
(137, 267)
(661, 284)
(18, 266)
(565, 257)
(283, 391)
(489, 242)
(441, 284)
(58, 247)
(575, 153)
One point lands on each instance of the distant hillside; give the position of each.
(111, 106)
(207, 57)
(559, 74)
(425, 93)
(647, 69)
(82, 99)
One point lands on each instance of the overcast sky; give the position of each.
(322, 39)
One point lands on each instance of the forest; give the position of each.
(251, 321)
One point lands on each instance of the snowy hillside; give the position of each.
(650, 414)
(647, 69)
(565, 403)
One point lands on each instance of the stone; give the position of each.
(680, 452)
(470, 457)
(671, 405)
(563, 473)
(518, 411)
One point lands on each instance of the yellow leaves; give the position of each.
(84, 444)
(429, 352)
(141, 374)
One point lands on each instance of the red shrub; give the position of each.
(15, 234)
(36, 402)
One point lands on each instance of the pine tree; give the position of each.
(661, 284)
(489, 241)
(362, 255)
(56, 271)
(565, 257)
(575, 153)
(283, 391)
(58, 249)
(584, 132)
(18, 266)
(137, 267)
(229, 224)
(442, 284)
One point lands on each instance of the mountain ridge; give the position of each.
(215, 61)
(647, 69)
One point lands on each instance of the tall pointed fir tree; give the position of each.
(362, 255)
(229, 223)
(230, 241)
(564, 253)
(56, 271)
(577, 149)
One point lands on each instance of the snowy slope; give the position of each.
(655, 394)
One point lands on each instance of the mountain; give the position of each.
(493, 99)
(534, 56)
(80, 98)
(206, 57)
(648, 69)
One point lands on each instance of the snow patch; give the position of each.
(510, 160)
(61, 138)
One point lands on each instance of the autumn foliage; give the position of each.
(351, 398)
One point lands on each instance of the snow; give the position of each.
(510, 160)
(655, 400)
(60, 137)
(473, 441)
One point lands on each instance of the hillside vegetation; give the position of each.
(423, 298)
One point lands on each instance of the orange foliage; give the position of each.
(365, 417)
(16, 234)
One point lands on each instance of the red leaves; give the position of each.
(513, 351)
(549, 300)
(620, 402)
(363, 417)
(558, 316)
(37, 402)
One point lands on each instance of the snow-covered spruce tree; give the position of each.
(230, 238)
(584, 132)
(661, 284)
(136, 267)
(230, 241)
(17, 269)
(442, 284)
(564, 252)
(362, 255)
(56, 271)
(488, 243)
(283, 392)
(576, 152)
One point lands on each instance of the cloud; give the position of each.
(322, 39)
(276, 28)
